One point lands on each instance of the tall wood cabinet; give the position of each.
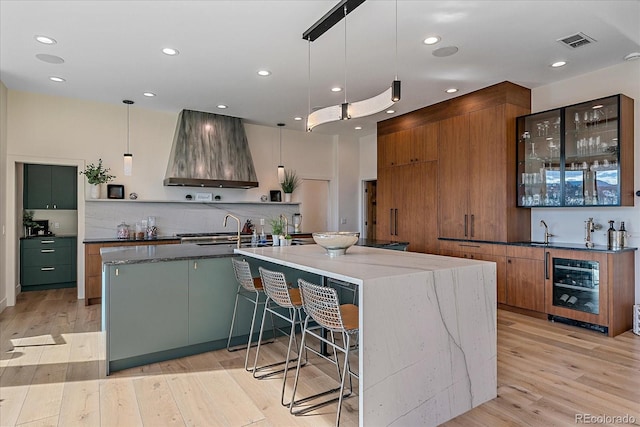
(471, 193)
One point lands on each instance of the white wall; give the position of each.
(56, 130)
(3, 193)
(567, 224)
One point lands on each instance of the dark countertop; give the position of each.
(48, 236)
(552, 245)
(116, 240)
(161, 253)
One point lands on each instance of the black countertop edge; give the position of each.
(116, 240)
(552, 245)
(48, 236)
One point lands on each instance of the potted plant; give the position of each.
(96, 175)
(277, 226)
(30, 226)
(289, 184)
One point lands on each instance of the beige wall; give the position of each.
(56, 130)
(3, 193)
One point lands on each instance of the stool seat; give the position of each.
(350, 318)
(294, 296)
(257, 283)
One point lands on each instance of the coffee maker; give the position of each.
(43, 227)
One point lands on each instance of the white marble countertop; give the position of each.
(358, 264)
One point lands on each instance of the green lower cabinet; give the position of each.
(148, 308)
(212, 292)
(47, 263)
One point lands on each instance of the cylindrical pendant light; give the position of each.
(280, 166)
(128, 157)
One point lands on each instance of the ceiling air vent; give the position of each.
(577, 40)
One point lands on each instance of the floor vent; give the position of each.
(577, 40)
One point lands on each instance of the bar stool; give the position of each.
(249, 288)
(322, 306)
(279, 294)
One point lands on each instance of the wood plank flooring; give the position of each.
(51, 364)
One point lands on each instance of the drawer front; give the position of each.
(46, 275)
(472, 247)
(46, 256)
(525, 252)
(52, 242)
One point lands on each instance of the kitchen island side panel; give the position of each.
(428, 345)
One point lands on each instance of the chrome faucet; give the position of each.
(224, 224)
(589, 227)
(546, 232)
(286, 224)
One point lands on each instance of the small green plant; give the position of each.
(97, 174)
(27, 220)
(291, 181)
(277, 226)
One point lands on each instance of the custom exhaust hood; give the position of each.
(210, 150)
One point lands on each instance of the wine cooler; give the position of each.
(576, 285)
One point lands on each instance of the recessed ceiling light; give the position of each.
(56, 79)
(149, 94)
(451, 90)
(297, 118)
(358, 127)
(49, 59)
(391, 111)
(632, 56)
(559, 64)
(264, 73)
(170, 51)
(336, 89)
(431, 40)
(45, 40)
(222, 106)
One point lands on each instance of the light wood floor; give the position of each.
(50, 375)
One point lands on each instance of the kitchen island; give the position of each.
(427, 342)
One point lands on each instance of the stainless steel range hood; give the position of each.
(210, 150)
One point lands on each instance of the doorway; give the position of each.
(314, 208)
(369, 214)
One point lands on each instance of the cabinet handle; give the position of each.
(391, 222)
(472, 225)
(546, 265)
(46, 251)
(47, 268)
(396, 223)
(508, 261)
(469, 246)
(117, 271)
(465, 226)
(47, 206)
(55, 206)
(195, 265)
(45, 242)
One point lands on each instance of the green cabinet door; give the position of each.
(148, 308)
(64, 184)
(37, 186)
(212, 292)
(50, 187)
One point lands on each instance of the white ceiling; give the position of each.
(112, 51)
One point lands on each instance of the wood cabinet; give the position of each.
(93, 265)
(419, 144)
(483, 252)
(50, 187)
(525, 286)
(47, 263)
(593, 287)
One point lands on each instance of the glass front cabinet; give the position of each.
(580, 155)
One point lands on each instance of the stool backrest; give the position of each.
(275, 286)
(243, 274)
(321, 303)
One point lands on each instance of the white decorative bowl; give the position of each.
(336, 242)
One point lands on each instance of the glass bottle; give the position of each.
(623, 237)
(611, 235)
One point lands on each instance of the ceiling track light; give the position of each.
(357, 109)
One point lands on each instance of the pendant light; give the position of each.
(280, 166)
(128, 157)
(357, 109)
